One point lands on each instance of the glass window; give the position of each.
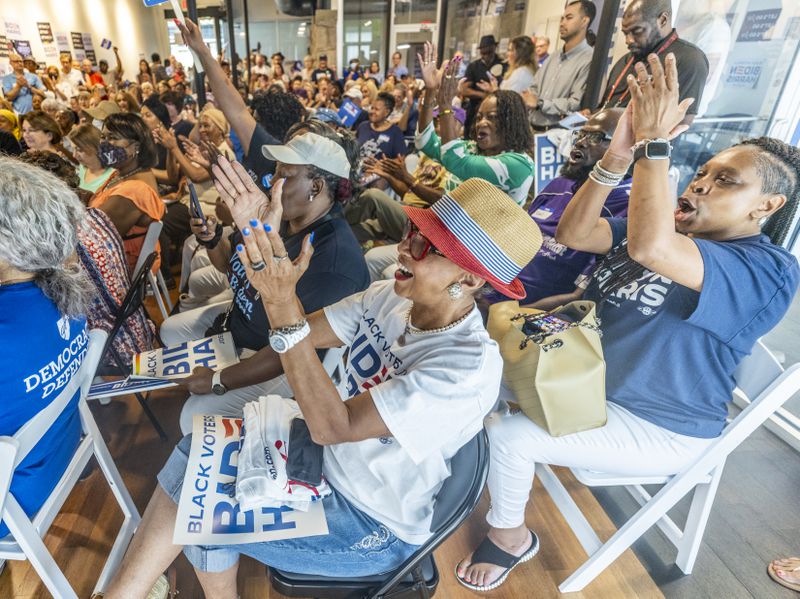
(365, 31)
(750, 46)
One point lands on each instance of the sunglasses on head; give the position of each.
(419, 245)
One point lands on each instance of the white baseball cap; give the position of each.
(311, 148)
(355, 93)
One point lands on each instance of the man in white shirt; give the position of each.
(71, 79)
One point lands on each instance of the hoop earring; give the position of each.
(455, 291)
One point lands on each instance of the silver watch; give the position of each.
(285, 338)
(217, 387)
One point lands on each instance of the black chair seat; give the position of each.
(322, 587)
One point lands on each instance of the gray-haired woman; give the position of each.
(43, 296)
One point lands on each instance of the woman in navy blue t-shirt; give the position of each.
(683, 295)
(44, 293)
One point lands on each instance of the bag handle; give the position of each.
(540, 337)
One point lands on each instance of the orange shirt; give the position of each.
(147, 201)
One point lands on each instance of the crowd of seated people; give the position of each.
(405, 220)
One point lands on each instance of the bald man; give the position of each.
(20, 86)
(647, 27)
(90, 78)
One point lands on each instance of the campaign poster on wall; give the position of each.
(91, 56)
(13, 30)
(62, 41)
(548, 161)
(757, 23)
(208, 513)
(23, 48)
(45, 32)
(87, 41)
(4, 46)
(77, 40)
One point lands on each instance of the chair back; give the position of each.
(455, 501)
(133, 300)
(32, 431)
(148, 246)
(757, 371)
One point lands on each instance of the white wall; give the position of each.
(136, 30)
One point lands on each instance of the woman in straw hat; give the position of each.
(422, 373)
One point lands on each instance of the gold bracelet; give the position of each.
(445, 111)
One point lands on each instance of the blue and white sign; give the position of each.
(548, 161)
(208, 513)
(154, 2)
(349, 112)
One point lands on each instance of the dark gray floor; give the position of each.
(756, 515)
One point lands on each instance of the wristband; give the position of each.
(211, 243)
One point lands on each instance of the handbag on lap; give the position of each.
(553, 364)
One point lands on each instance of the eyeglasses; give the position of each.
(593, 138)
(419, 245)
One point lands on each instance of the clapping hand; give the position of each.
(431, 74)
(657, 111)
(242, 196)
(165, 137)
(654, 112)
(449, 84)
(266, 261)
(197, 154)
(489, 86)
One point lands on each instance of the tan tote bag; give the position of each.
(553, 364)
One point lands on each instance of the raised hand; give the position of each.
(656, 110)
(449, 84)
(267, 263)
(191, 35)
(237, 189)
(165, 137)
(431, 74)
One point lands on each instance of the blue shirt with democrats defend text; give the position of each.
(40, 352)
(670, 351)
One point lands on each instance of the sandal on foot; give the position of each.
(489, 553)
(784, 583)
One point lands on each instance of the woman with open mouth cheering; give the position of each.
(683, 296)
(421, 375)
(501, 135)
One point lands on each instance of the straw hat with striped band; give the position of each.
(484, 231)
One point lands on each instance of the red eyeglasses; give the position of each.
(419, 245)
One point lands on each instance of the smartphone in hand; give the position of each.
(195, 209)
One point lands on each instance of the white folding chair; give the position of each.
(157, 283)
(761, 379)
(25, 539)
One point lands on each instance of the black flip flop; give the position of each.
(489, 553)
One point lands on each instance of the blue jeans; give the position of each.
(356, 545)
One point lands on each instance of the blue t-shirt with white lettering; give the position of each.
(670, 351)
(557, 269)
(40, 352)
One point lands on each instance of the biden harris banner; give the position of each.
(208, 513)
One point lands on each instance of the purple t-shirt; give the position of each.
(556, 269)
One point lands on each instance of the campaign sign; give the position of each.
(548, 161)
(126, 386)
(349, 112)
(179, 361)
(208, 513)
(154, 2)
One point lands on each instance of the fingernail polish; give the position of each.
(253, 222)
(311, 237)
(267, 228)
(239, 247)
(246, 231)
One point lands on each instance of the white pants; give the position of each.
(381, 262)
(193, 324)
(626, 445)
(202, 282)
